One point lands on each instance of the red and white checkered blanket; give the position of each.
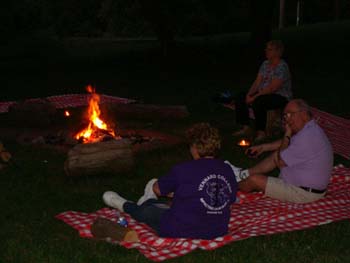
(69, 101)
(337, 130)
(255, 215)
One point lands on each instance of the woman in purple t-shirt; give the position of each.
(203, 190)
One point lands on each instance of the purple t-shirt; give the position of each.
(203, 190)
(309, 158)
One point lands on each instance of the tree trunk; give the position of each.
(281, 14)
(336, 10)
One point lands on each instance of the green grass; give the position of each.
(36, 188)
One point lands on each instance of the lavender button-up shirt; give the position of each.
(309, 158)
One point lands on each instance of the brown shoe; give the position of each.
(103, 228)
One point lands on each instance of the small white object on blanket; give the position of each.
(240, 174)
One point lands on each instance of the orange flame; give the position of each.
(244, 143)
(95, 124)
(90, 89)
(66, 113)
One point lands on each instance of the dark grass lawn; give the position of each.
(36, 188)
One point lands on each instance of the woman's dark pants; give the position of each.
(150, 212)
(260, 106)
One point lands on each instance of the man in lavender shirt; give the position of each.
(304, 156)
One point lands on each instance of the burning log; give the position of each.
(111, 156)
(97, 130)
(98, 135)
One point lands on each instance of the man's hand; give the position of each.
(286, 138)
(255, 151)
(287, 129)
(285, 141)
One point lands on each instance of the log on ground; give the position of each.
(112, 156)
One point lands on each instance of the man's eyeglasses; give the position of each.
(287, 115)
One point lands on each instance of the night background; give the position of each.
(131, 48)
(158, 52)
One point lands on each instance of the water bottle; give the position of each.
(122, 221)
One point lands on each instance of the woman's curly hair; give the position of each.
(206, 139)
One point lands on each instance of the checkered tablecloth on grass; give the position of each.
(255, 215)
(70, 101)
(337, 130)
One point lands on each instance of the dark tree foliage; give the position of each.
(132, 18)
(123, 18)
(75, 17)
(165, 19)
(22, 16)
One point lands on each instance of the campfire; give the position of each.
(97, 130)
(96, 146)
(243, 143)
(100, 150)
